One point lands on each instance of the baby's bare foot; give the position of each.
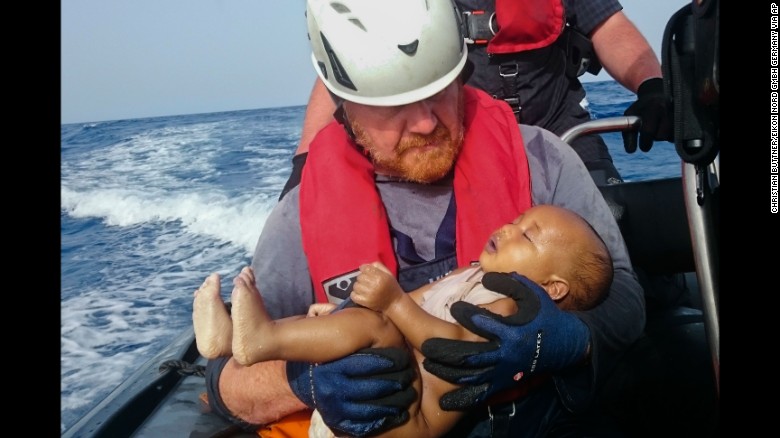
(211, 321)
(249, 319)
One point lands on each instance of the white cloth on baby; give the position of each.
(465, 286)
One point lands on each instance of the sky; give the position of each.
(126, 59)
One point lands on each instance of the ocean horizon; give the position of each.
(151, 206)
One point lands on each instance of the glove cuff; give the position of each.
(650, 86)
(301, 381)
(214, 369)
(575, 340)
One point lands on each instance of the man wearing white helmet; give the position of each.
(416, 172)
(534, 63)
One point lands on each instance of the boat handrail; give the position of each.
(699, 215)
(607, 124)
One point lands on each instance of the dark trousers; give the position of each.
(539, 414)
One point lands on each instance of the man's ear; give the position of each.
(557, 288)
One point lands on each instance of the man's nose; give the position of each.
(420, 118)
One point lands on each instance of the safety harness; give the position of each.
(511, 29)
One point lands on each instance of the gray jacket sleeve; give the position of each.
(559, 177)
(281, 270)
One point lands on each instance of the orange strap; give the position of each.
(292, 426)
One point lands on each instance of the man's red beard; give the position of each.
(413, 158)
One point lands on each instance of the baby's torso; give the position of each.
(462, 286)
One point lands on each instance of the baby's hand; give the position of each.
(375, 287)
(319, 309)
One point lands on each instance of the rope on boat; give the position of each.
(183, 368)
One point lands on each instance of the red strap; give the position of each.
(526, 25)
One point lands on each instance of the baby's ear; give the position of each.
(557, 288)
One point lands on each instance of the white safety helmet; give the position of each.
(385, 52)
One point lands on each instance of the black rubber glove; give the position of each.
(359, 395)
(653, 108)
(539, 337)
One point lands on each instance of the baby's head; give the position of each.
(557, 249)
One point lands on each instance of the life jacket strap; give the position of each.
(508, 72)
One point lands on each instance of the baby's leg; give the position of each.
(212, 324)
(251, 322)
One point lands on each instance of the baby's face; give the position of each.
(534, 244)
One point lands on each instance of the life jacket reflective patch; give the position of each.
(338, 289)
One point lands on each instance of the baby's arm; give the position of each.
(377, 289)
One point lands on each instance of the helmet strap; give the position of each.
(341, 116)
(468, 69)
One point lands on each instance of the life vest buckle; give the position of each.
(478, 27)
(508, 70)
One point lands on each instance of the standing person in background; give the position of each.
(416, 171)
(533, 62)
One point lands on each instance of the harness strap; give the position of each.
(500, 419)
(508, 72)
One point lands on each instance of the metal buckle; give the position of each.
(514, 102)
(508, 70)
(490, 413)
(478, 27)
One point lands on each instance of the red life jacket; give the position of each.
(343, 220)
(526, 25)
